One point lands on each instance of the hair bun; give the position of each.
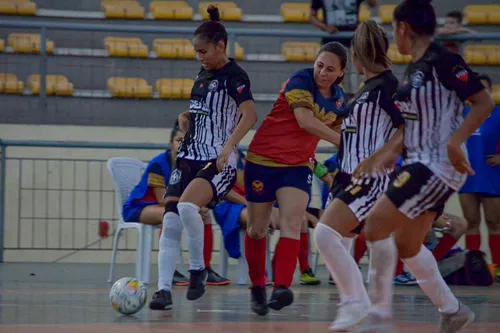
(213, 13)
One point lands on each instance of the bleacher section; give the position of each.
(104, 76)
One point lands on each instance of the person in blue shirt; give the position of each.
(483, 189)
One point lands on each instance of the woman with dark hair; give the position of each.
(280, 168)
(432, 99)
(373, 126)
(221, 112)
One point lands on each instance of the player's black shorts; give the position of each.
(360, 196)
(187, 170)
(415, 189)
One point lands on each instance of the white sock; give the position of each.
(347, 242)
(170, 247)
(383, 255)
(193, 224)
(424, 267)
(341, 265)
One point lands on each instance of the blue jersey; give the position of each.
(480, 145)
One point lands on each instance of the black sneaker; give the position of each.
(281, 297)
(215, 279)
(331, 280)
(197, 280)
(162, 300)
(259, 301)
(179, 279)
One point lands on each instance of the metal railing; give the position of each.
(45, 28)
(50, 201)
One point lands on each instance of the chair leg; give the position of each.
(113, 256)
(147, 253)
(139, 253)
(223, 257)
(242, 261)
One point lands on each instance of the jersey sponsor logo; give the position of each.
(199, 107)
(207, 166)
(417, 79)
(461, 73)
(240, 88)
(350, 129)
(402, 179)
(213, 86)
(257, 186)
(363, 98)
(175, 177)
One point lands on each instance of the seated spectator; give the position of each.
(453, 26)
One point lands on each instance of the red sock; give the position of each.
(360, 247)
(304, 252)
(445, 244)
(399, 267)
(208, 244)
(255, 253)
(287, 252)
(495, 249)
(473, 242)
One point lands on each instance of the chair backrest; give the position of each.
(126, 174)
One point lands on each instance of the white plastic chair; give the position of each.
(126, 174)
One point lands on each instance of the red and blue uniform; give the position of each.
(281, 153)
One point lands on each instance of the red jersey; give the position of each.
(280, 141)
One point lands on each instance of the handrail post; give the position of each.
(232, 45)
(3, 179)
(43, 68)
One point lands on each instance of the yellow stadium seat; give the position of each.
(28, 43)
(295, 12)
(171, 10)
(482, 54)
(9, 84)
(239, 52)
(300, 51)
(54, 85)
(174, 88)
(364, 13)
(124, 9)
(17, 7)
(129, 87)
(396, 57)
(126, 47)
(385, 13)
(228, 10)
(482, 14)
(173, 48)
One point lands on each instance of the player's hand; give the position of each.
(493, 160)
(204, 213)
(374, 166)
(331, 29)
(223, 158)
(184, 121)
(457, 157)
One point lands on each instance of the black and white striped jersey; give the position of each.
(214, 111)
(371, 121)
(432, 100)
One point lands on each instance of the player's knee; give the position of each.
(188, 210)
(172, 226)
(458, 226)
(323, 236)
(290, 225)
(493, 224)
(257, 231)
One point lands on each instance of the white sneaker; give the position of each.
(374, 323)
(349, 315)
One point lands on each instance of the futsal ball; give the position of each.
(128, 296)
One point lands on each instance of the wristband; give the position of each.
(320, 170)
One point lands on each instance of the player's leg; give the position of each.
(208, 186)
(453, 227)
(260, 195)
(491, 207)
(471, 204)
(292, 205)
(307, 276)
(213, 278)
(152, 214)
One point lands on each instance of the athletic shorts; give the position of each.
(415, 190)
(132, 214)
(360, 196)
(262, 182)
(187, 170)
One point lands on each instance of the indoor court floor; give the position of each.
(57, 298)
